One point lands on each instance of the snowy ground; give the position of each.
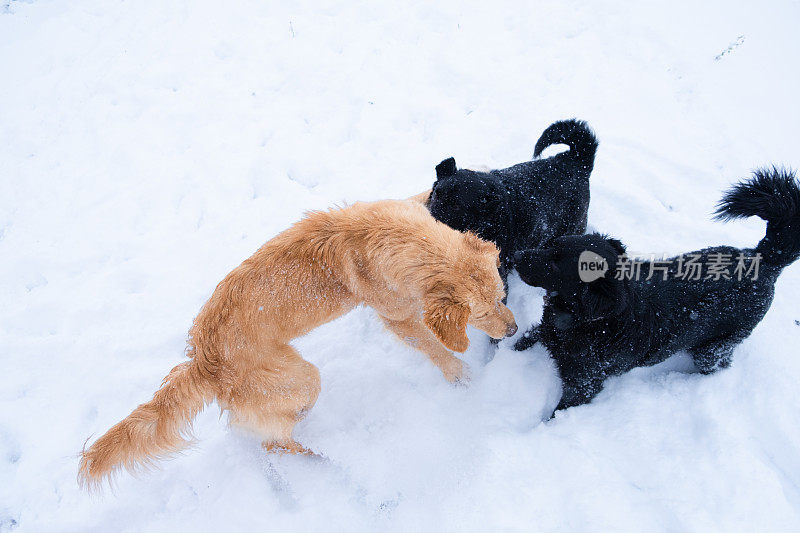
(147, 147)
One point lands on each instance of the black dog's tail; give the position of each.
(574, 133)
(774, 195)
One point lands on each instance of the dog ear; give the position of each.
(606, 296)
(446, 168)
(448, 321)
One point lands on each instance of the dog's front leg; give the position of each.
(528, 339)
(414, 333)
(579, 391)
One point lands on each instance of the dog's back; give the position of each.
(315, 268)
(557, 186)
(524, 205)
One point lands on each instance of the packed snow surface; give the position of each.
(148, 147)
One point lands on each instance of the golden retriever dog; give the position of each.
(425, 280)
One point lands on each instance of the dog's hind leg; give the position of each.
(716, 353)
(414, 333)
(270, 397)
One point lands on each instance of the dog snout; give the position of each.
(511, 329)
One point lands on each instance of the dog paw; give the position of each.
(457, 372)
(292, 448)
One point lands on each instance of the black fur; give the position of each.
(608, 326)
(772, 195)
(525, 205)
(575, 134)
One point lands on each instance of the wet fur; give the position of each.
(425, 280)
(609, 326)
(526, 205)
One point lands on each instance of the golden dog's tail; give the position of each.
(153, 430)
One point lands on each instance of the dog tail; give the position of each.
(153, 430)
(774, 195)
(574, 133)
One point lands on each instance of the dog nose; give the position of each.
(511, 330)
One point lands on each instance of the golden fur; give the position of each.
(425, 280)
(424, 197)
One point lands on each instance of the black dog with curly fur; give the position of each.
(606, 326)
(526, 205)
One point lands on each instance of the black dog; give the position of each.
(601, 328)
(526, 205)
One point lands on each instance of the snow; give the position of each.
(147, 148)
